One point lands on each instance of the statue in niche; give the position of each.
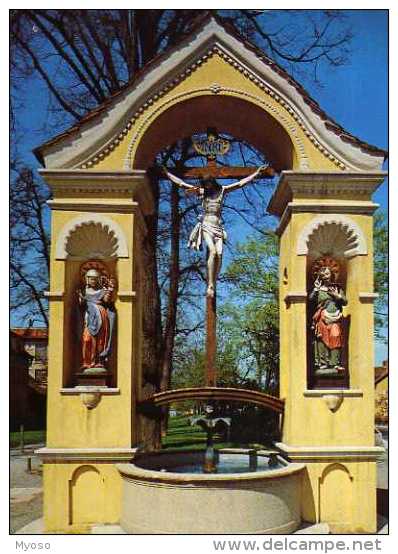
(209, 227)
(328, 299)
(95, 300)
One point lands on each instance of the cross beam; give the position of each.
(217, 172)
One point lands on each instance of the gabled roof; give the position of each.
(205, 30)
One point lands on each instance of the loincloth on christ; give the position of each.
(214, 230)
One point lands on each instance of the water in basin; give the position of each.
(228, 463)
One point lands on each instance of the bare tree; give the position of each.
(29, 244)
(83, 57)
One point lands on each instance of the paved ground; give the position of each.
(26, 494)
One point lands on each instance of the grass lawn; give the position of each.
(181, 435)
(30, 437)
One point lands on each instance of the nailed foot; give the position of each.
(210, 291)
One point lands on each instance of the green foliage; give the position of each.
(254, 424)
(248, 324)
(380, 256)
(251, 325)
(254, 269)
(181, 435)
(30, 437)
(190, 372)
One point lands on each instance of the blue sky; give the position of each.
(355, 95)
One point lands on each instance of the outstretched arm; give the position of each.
(245, 181)
(180, 182)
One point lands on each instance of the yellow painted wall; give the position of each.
(215, 70)
(340, 493)
(72, 503)
(318, 424)
(111, 424)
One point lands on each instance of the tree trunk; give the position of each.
(171, 318)
(151, 324)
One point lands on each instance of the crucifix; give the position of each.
(209, 228)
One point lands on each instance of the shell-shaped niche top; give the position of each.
(91, 236)
(92, 240)
(332, 235)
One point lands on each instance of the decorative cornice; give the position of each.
(73, 206)
(324, 184)
(345, 393)
(127, 294)
(165, 72)
(290, 128)
(364, 208)
(296, 297)
(145, 105)
(368, 297)
(216, 88)
(54, 295)
(330, 453)
(76, 391)
(90, 455)
(132, 184)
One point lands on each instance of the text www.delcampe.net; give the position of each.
(305, 545)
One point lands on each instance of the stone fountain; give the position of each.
(208, 423)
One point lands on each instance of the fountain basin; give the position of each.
(159, 499)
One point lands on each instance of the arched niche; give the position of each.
(91, 236)
(240, 117)
(336, 497)
(86, 496)
(97, 239)
(332, 235)
(332, 240)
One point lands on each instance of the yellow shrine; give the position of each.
(102, 200)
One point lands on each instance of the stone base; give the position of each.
(336, 481)
(313, 529)
(328, 372)
(94, 376)
(262, 502)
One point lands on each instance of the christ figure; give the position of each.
(209, 228)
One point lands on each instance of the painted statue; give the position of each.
(328, 299)
(96, 304)
(209, 227)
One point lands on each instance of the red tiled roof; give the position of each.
(31, 332)
(197, 24)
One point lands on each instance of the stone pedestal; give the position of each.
(99, 378)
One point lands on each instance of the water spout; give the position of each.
(208, 424)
